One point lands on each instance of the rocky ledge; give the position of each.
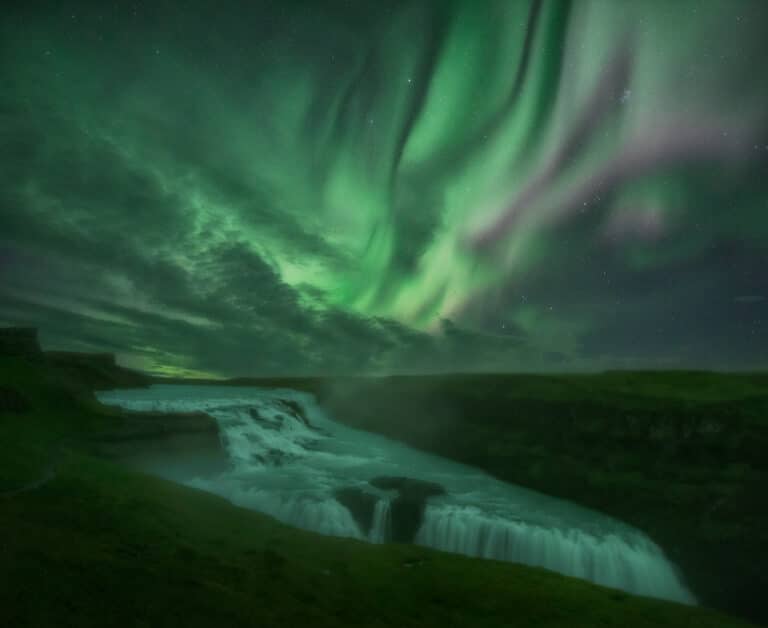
(176, 446)
(154, 425)
(406, 508)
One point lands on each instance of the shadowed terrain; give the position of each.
(94, 541)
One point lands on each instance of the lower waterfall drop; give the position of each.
(628, 561)
(381, 528)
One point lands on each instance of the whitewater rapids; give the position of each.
(288, 466)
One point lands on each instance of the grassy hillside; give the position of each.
(86, 542)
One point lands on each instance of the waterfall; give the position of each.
(628, 560)
(288, 459)
(381, 529)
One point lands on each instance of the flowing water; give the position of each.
(287, 457)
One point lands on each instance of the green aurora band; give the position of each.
(388, 186)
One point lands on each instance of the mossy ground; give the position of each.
(102, 545)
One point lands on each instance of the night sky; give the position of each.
(388, 186)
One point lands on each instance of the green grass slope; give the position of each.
(96, 544)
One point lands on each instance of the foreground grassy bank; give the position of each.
(96, 544)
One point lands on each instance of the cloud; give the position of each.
(207, 191)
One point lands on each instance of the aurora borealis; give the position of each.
(401, 186)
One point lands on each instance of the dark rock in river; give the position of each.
(406, 510)
(360, 504)
(267, 423)
(408, 507)
(290, 407)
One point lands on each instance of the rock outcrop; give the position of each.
(138, 426)
(295, 409)
(406, 508)
(360, 504)
(177, 446)
(98, 371)
(277, 421)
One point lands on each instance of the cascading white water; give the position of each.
(630, 561)
(382, 522)
(288, 466)
(325, 516)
